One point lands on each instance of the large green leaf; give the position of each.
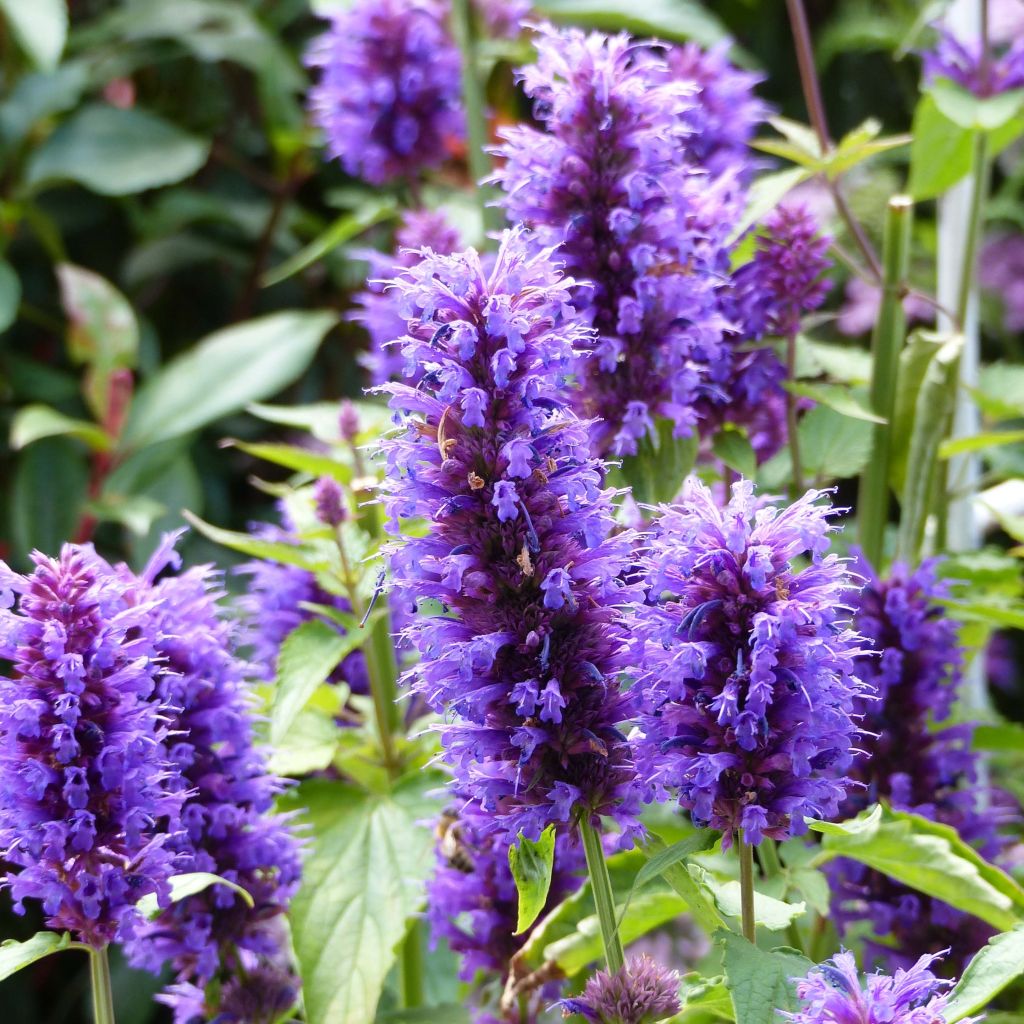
(225, 372)
(34, 422)
(41, 28)
(363, 877)
(256, 547)
(833, 445)
(661, 464)
(992, 969)
(531, 864)
(116, 152)
(16, 955)
(760, 982)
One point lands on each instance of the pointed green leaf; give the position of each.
(34, 422)
(191, 884)
(255, 547)
(16, 955)
(41, 28)
(531, 864)
(10, 295)
(993, 968)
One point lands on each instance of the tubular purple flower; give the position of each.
(641, 993)
(88, 811)
(745, 664)
(960, 61)
(833, 993)
(519, 552)
(388, 99)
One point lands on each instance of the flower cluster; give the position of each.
(608, 179)
(388, 99)
(961, 62)
(642, 992)
(915, 670)
(228, 829)
(472, 902)
(833, 994)
(86, 813)
(376, 307)
(746, 668)
(519, 552)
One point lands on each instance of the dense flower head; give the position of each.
(745, 664)
(388, 99)
(519, 552)
(913, 762)
(330, 502)
(472, 901)
(608, 177)
(264, 995)
(229, 829)
(961, 62)
(833, 993)
(642, 992)
(1001, 272)
(377, 307)
(86, 809)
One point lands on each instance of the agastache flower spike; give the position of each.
(528, 652)
(87, 810)
(642, 992)
(746, 667)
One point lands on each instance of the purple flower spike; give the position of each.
(961, 62)
(642, 992)
(388, 99)
(87, 815)
(529, 647)
(746, 668)
(834, 994)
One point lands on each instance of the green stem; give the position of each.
(476, 118)
(979, 189)
(102, 994)
(412, 967)
(886, 342)
(604, 900)
(792, 427)
(746, 852)
(768, 854)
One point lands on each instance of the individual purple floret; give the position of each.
(607, 178)
(962, 62)
(518, 552)
(388, 98)
(745, 664)
(86, 809)
(1001, 272)
(472, 905)
(377, 307)
(911, 764)
(642, 992)
(832, 993)
(229, 829)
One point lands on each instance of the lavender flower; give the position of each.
(377, 308)
(388, 96)
(746, 669)
(1002, 273)
(86, 808)
(518, 551)
(472, 902)
(609, 180)
(911, 765)
(833, 994)
(228, 795)
(329, 499)
(642, 992)
(961, 61)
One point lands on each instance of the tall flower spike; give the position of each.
(608, 180)
(86, 808)
(229, 828)
(388, 99)
(915, 668)
(746, 668)
(472, 904)
(641, 993)
(834, 994)
(519, 552)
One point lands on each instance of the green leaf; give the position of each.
(1001, 390)
(309, 746)
(10, 295)
(833, 445)
(989, 972)
(704, 1000)
(190, 884)
(978, 113)
(302, 460)
(34, 422)
(41, 28)
(940, 153)
(760, 982)
(656, 473)
(1003, 737)
(845, 363)
(116, 152)
(837, 397)
(255, 547)
(363, 877)
(531, 864)
(801, 136)
(321, 418)
(733, 448)
(225, 372)
(345, 228)
(860, 144)
(16, 955)
(676, 873)
(765, 194)
(769, 912)
(308, 655)
(979, 442)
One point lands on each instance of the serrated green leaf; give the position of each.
(993, 968)
(832, 445)
(531, 864)
(16, 955)
(34, 422)
(191, 884)
(760, 982)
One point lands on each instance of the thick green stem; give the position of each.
(412, 967)
(604, 899)
(746, 852)
(979, 189)
(102, 994)
(792, 427)
(886, 343)
(476, 118)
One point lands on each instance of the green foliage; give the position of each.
(760, 982)
(190, 884)
(531, 864)
(657, 471)
(16, 955)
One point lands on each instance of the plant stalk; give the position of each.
(604, 899)
(746, 852)
(979, 189)
(792, 426)
(886, 343)
(411, 979)
(102, 993)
